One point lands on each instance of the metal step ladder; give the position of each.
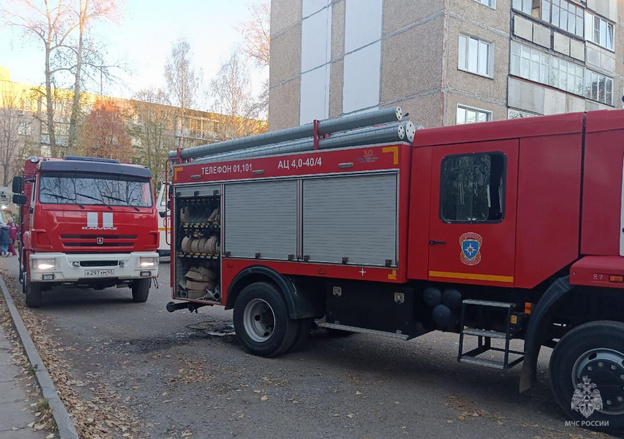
(485, 336)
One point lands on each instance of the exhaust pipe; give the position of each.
(172, 306)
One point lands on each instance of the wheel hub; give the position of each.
(605, 369)
(259, 320)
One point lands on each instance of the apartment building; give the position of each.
(23, 119)
(444, 61)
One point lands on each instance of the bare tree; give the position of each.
(88, 12)
(60, 26)
(152, 129)
(183, 83)
(257, 33)
(49, 24)
(231, 90)
(257, 45)
(15, 125)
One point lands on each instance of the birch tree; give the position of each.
(233, 98)
(183, 84)
(153, 129)
(60, 28)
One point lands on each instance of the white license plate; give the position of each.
(99, 272)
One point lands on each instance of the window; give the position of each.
(87, 189)
(24, 129)
(535, 65)
(522, 5)
(563, 14)
(475, 56)
(472, 115)
(490, 3)
(598, 87)
(599, 31)
(472, 188)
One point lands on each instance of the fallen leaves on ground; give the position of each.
(97, 413)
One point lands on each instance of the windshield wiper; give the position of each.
(122, 200)
(94, 198)
(60, 197)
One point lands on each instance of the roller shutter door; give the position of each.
(261, 218)
(351, 217)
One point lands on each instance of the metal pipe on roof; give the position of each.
(324, 127)
(396, 132)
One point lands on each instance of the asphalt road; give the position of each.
(184, 375)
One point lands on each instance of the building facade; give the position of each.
(444, 61)
(22, 112)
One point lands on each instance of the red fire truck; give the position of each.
(86, 223)
(497, 231)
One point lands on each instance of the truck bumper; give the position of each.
(63, 267)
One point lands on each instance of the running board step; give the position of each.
(323, 324)
(487, 312)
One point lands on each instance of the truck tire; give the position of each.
(33, 294)
(140, 290)
(261, 321)
(587, 360)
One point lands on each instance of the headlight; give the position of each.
(44, 264)
(147, 262)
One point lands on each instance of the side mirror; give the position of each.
(19, 199)
(162, 213)
(18, 185)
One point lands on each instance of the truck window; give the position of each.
(87, 189)
(472, 188)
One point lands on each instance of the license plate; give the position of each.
(99, 272)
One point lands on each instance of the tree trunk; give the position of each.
(73, 119)
(50, 104)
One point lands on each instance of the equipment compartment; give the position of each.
(197, 245)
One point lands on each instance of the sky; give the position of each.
(142, 40)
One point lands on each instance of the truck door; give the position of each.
(473, 213)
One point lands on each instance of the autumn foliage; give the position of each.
(104, 133)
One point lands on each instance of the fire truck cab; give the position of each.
(86, 223)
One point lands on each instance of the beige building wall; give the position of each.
(419, 63)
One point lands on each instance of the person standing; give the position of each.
(13, 233)
(5, 240)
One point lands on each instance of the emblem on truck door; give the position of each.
(470, 244)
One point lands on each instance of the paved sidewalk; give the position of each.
(15, 410)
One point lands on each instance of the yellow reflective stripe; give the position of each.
(472, 276)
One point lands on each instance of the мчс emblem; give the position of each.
(470, 244)
(100, 240)
(586, 398)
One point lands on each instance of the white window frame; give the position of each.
(525, 6)
(600, 31)
(478, 63)
(537, 66)
(488, 3)
(598, 87)
(559, 12)
(465, 109)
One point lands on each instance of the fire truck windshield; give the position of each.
(89, 189)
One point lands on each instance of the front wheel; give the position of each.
(587, 375)
(261, 321)
(33, 293)
(140, 290)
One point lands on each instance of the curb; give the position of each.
(66, 428)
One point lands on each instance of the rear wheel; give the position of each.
(261, 321)
(33, 293)
(587, 375)
(140, 290)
